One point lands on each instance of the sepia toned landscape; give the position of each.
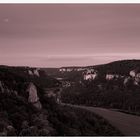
(69, 70)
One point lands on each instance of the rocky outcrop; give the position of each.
(132, 73)
(66, 69)
(33, 97)
(30, 72)
(90, 74)
(72, 69)
(112, 76)
(109, 77)
(135, 75)
(1, 87)
(126, 80)
(36, 72)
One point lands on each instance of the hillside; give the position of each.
(112, 85)
(121, 67)
(26, 109)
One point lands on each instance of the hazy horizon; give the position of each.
(69, 65)
(57, 35)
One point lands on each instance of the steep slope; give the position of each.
(27, 110)
(113, 85)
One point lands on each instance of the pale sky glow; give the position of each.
(68, 60)
(68, 35)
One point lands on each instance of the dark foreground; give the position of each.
(128, 124)
(28, 109)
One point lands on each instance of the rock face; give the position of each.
(80, 69)
(66, 69)
(126, 80)
(135, 75)
(90, 74)
(109, 76)
(30, 72)
(71, 69)
(1, 87)
(33, 97)
(132, 73)
(112, 76)
(62, 70)
(89, 77)
(36, 72)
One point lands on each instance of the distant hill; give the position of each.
(113, 85)
(120, 67)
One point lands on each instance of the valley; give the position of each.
(30, 105)
(72, 101)
(69, 69)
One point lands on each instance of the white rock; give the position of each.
(33, 97)
(32, 90)
(1, 87)
(138, 75)
(36, 72)
(62, 70)
(80, 69)
(90, 76)
(30, 72)
(137, 79)
(126, 80)
(136, 83)
(58, 100)
(69, 70)
(132, 73)
(110, 76)
(89, 71)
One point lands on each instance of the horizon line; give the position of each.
(71, 65)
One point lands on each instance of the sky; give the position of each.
(55, 35)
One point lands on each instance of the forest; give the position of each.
(19, 117)
(107, 93)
